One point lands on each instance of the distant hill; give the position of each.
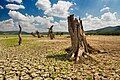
(11, 32)
(16, 32)
(105, 31)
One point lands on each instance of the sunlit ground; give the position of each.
(42, 58)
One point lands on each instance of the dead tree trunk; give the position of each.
(50, 32)
(79, 45)
(38, 34)
(19, 35)
(33, 34)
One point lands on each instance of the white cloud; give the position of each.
(7, 25)
(1, 7)
(11, 25)
(106, 9)
(26, 22)
(14, 6)
(28, 27)
(109, 16)
(18, 1)
(60, 9)
(43, 4)
(17, 15)
(106, 19)
(44, 22)
(31, 23)
(62, 25)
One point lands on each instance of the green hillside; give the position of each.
(11, 32)
(105, 31)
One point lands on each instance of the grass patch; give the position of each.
(12, 41)
(9, 42)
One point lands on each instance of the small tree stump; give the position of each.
(19, 35)
(50, 33)
(38, 34)
(33, 34)
(79, 46)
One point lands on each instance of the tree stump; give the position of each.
(50, 33)
(79, 46)
(19, 35)
(38, 34)
(33, 34)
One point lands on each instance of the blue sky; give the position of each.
(88, 10)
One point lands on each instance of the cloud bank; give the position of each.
(43, 4)
(32, 23)
(108, 18)
(14, 6)
(59, 10)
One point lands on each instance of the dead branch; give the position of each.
(33, 34)
(50, 33)
(38, 34)
(19, 35)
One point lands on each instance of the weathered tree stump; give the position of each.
(19, 35)
(50, 33)
(38, 34)
(61, 33)
(79, 46)
(33, 34)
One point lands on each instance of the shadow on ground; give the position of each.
(16, 45)
(83, 60)
(88, 60)
(61, 57)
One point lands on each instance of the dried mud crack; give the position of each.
(39, 59)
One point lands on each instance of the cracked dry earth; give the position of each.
(44, 59)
